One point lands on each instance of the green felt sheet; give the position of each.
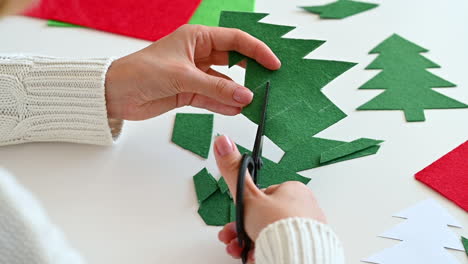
(209, 10)
(222, 185)
(205, 185)
(273, 173)
(406, 82)
(340, 9)
(297, 108)
(232, 215)
(307, 155)
(216, 210)
(193, 132)
(347, 149)
(55, 23)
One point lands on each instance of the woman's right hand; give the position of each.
(262, 207)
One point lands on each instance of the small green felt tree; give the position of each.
(407, 83)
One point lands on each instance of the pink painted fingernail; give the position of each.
(223, 146)
(242, 95)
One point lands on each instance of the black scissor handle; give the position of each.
(247, 163)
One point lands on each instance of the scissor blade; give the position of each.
(258, 145)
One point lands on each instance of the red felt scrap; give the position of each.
(145, 19)
(449, 175)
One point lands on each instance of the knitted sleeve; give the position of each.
(298, 241)
(26, 233)
(53, 99)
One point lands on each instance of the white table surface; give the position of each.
(134, 202)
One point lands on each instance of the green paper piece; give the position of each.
(215, 210)
(340, 9)
(55, 23)
(297, 108)
(193, 132)
(273, 173)
(465, 244)
(205, 185)
(348, 148)
(209, 10)
(222, 185)
(233, 212)
(307, 155)
(407, 83)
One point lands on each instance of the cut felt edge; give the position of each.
(205, 185)
(179, 136)
(348, 149)
(55, 23)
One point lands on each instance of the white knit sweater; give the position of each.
(51, 99)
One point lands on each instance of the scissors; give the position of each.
(253, 163)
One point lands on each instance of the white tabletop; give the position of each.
(134, 202)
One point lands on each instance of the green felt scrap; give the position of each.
(340, 9)
(209, 10)
(465, 244)
(297, 108)
(233, 212)
(347, 149)
(407, 83)
(193, 132)
(222, 185)
(205, 185)
(307, 155)
(273, 173)
(55, 23)
(216, 210)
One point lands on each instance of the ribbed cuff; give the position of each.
(55, 99)
(298, 241)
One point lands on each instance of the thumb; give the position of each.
(218, 88)
(228, 159)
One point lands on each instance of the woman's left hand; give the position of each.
(176, 71)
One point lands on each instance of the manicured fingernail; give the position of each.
(223, 145)
(242, 95)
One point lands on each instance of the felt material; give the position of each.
(216, 210)
(205, 185)
(209, 10)
(193, 132)
(340, 9)
(297, 108)
(449, 176)
(347, 149)
(407, 83)
(55, 23)
(150, 20)
(222, 185)
(232, 214)
(273, 173)
(465, 244)
(307, 155)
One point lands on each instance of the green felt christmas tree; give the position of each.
(407, 83)
(340, 9)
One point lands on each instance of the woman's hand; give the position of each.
(262, 207)
(176, 71)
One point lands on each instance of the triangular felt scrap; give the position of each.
(449, 176)
(209, 10)
(465, 244)
(205, 185)
(340, 9)
(216, 210)
(193, 132)
(150, 20)
(348, 148)
(222, 185)
(55, 23)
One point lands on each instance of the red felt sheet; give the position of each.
(145, 19)
(449, 175)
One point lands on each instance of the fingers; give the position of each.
(228, 233)
(225, 91)
(228, 159)
(201, 101)
(227, 39)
